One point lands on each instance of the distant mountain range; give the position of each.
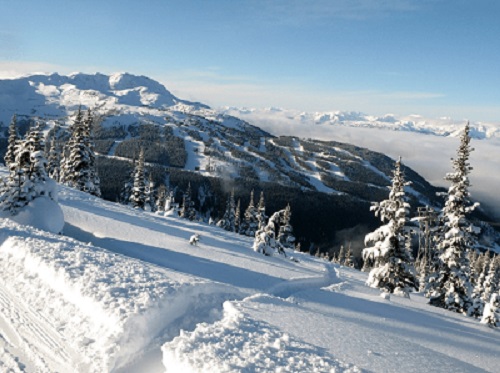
(214, 143)
(202, 143)
(410, 123)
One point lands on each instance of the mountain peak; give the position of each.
(55, 95)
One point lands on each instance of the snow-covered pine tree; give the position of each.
(476, 261)
(334, 258)
(171, 207)
(126, 190)
(138, 192)
(477, 307)
(452, 288)
(149, 203)
(250, 224)
(237, 216)
(285, 233)
(187, 210)
(491, 313)
(341, 257)
(265, 238)
(54, 159)
(10, 155)
(491, 282)
(349, 258)
(28, 179)
(261, 211)
(228, 220)
(78, 169)
(393, 270)
(93, 186)
(161, 198)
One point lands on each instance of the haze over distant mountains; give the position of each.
(425, 144)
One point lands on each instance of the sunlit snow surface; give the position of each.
(128, 293)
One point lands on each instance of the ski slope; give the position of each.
(123, 291)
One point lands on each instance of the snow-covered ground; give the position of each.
(124, 291)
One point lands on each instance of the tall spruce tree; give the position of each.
(78, 168)
(10, 155)
(28, 179)
(187, 210)
(452, 288)
(54, 159)
(393, 270)
(250, 224)
(285, 233)
(261, 211)
(237, 216)
(138, 192)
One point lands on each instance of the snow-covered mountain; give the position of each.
(123, 291)
(411, 123)
(57, 95)
(133, 111)
(197, 138)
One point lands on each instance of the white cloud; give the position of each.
(427, 154)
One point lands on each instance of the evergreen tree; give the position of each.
(187, 210)
(393, 269)
(150, 198)
(452, 288)
(265, 238)
(138, 192)
(10, 155)
(341, 257)
(491, 314)
(126, 191)
(491, 283)
(161, 198)
(477, 297)
(78, 169)
(349, 259)
(228, 220)
(93, 185)
(28, 179)
(285, 233)
(237, 216)
(54, 159)
(261, 211)
(249, 225)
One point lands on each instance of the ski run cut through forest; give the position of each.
(153, 285)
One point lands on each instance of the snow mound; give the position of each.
(41, 213)
(101, 310)
(241, 343)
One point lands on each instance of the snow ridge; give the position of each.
(411, 123)
(98, 310)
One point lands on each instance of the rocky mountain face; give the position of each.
(330, 183)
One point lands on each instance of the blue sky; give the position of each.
(429, 57)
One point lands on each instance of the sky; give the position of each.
(430, 57)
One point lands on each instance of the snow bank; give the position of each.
(42, 213)
(109, 308)
(241, 343)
